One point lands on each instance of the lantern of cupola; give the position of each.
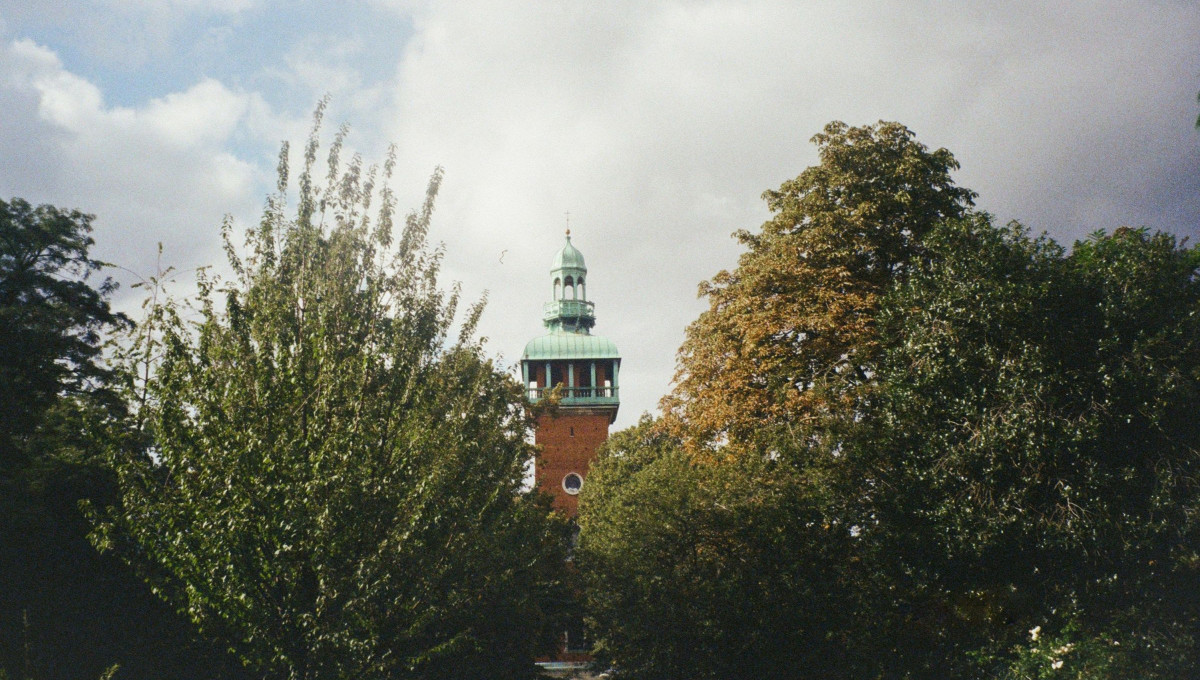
(569, 309)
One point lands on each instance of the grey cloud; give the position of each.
(659, 124)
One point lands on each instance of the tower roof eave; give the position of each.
(567, 345)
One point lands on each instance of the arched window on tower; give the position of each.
(557, 289)
(582, 288)
(569, 283)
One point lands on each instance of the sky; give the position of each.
(655, 125)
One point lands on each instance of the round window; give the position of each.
(572, 483)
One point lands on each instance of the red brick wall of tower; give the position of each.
(569, 441)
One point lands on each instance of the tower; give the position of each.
(584, 368)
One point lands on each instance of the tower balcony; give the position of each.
(578, 396)
(568, 309)
(584, 368)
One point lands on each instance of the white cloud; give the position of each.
(205, 114)
(656, 124)
(126, 33)
(64, 98)
(160, 172)
(659, 124)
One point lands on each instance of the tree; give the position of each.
(334, 487)
(1028, 461)
(1015, 496)
(51, 319)
(697, 571)
(743, 558)
(65, 611)
(986, 445)
(791, 330)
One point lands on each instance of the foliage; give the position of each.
(695, 571)
(790, 331)
(1078, 650)
(106, 675)
(335, 484)
(1031, 451)
(50, 317)
(65, 611)
(994, 435)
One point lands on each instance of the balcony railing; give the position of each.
(571, 309)
(577, 395)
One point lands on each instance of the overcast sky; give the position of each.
(656, 125)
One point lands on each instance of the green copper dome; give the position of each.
(567, 345)
(569, 258)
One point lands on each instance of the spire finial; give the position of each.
(568, 214)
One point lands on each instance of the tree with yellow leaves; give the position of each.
(790, 332)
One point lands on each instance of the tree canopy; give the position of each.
(915, 443)
(51, 317)
(65, 611)
(693, 570)
(335, 484)
(792, 329)
(1030, 457)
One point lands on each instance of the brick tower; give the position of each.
(584, 367)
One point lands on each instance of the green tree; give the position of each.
(995, 436)
(695, 571)
(335, 484)
(51, 318)
(790, 331)
(65, 611)
(1029, 459)
(743, 558)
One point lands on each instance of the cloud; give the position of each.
(160, 172)
(657, 125)
(125, 34)
(205, 6)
